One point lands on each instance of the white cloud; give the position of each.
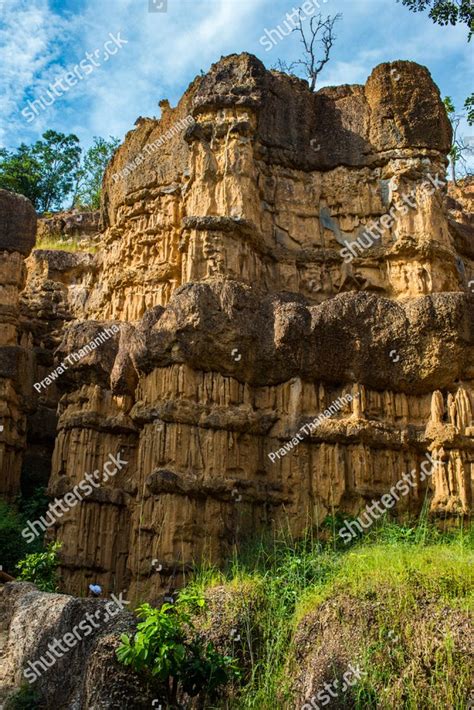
(165, 51)
(31, 41)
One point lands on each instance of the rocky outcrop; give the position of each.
(69, 226)
(56, 291)
(249, 297)
(69, 645)
(17, 238)
(272, 180)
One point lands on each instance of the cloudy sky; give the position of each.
(40, 40)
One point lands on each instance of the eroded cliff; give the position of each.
(249, 296)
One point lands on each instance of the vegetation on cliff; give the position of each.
(396, 605)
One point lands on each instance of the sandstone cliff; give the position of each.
(241, 320)
(17, 238)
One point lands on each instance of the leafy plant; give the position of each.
(40, 568)
(12, 544)
(12, 521)
(469, 107)
(34, 505)
(172, 656)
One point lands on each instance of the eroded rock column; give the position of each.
(17, 238)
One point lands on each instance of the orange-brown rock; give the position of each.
(17, 238)
(241, 320)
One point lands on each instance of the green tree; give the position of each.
(89, 177)
(469, 106)
(59, 157)
(445, 12)
(20, 172)
(44, 172)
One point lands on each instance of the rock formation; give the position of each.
(85, 674)
(17, 238)
(69, 226)
(249, 298)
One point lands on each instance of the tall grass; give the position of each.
(52, 243)
(393, 562)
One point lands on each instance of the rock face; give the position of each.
(69, 225)
(249, 298)
(57, 286)
(17, 238)
(70, 645)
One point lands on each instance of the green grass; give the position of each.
(58, 244)
(398, 570)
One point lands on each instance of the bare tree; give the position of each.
(319, 37)
(462, 147)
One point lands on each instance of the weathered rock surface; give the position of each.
(81, 671)
(241, 321)
(17, 238)
(70, 225)
(18, 223)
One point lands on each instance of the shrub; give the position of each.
(40, 568)
(173, 657)
(12, 545)
(13, 519)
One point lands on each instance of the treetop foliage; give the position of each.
(446, 12)
(53, 168)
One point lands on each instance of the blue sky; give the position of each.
(41, 39)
